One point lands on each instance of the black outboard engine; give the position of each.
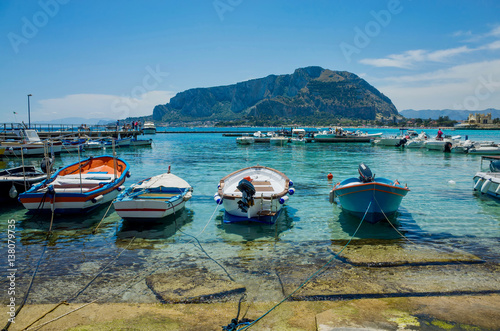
(402, 142)
(365, 174)
(447, 147)
(247, 192)
(495, 166)
(46, 164)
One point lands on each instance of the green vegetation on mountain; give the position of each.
(309, 96)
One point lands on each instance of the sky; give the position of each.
(116, 59)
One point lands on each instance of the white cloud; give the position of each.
(408, 59)
(473, 86)
(99, 105)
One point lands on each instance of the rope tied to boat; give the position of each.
(312, 276)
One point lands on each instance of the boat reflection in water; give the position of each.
(147, 234)
(250, 231)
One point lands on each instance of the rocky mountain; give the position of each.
(311, 91)
(453, 114)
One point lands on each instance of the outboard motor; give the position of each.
(447, 147)
(365, 174)
(402, 142)
(495, 166)
(247, 192)
(46, 164)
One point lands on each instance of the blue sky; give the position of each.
(116, 59)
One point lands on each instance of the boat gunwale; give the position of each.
(273, 196)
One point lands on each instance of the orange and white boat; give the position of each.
(79, 187)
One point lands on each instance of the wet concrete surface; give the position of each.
(267, 272)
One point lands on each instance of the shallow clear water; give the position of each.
(440, 205)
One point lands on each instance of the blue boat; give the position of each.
(378, 198)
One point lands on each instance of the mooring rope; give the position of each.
(250, 324)
(105, 214)
(77, 294)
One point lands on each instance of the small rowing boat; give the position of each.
(79, 187)
(254, 194)
(154, 198)
(367, 197)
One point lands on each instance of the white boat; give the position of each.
(140, 142)
(485, 150)
(298, 137)
(149, 128)
(28, 143)
(396, 140)
(278, 140)
(154, 198)
(488, 182)
(442, 145)
(93, 144)
(418, 141)
(254, 194)
(245, 140)
(342, 135)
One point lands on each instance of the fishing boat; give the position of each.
(79, 187)
(367, 197)
(17, 180)
(278, 140)
(149, 128)
(298, 137)
(154, 198)
(140, 142)
(26, 142)
(245, 140)
(444, 144)
(395, 140)
(342, 135)
(488, 182)
(254, 194)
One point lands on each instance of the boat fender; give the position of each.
(119, 189)
(485, 186)
(97, 198)
(217, 199)
(291, 191)
(13, 192)
(290, 183)
(478, 183)
(283, 199)
(332, 196)
(128, 174)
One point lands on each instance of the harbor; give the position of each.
(426, 266)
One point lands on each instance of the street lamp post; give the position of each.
(29, 116)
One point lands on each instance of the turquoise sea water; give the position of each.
(440, 205)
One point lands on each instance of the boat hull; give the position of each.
(79, 187)
(271, 189)
(378, 199)
(487, 183)
(143, 209)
